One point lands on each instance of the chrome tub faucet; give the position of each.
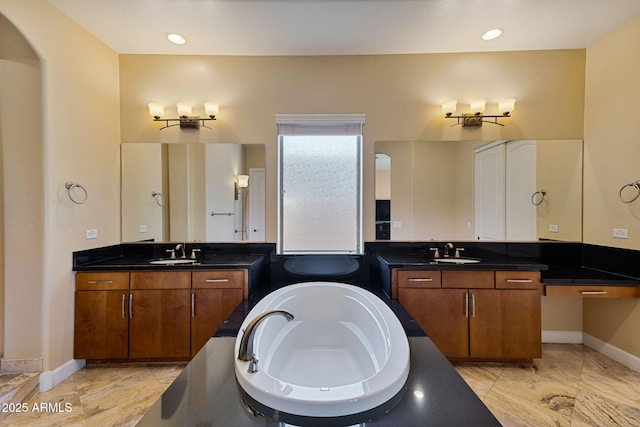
(245, 351)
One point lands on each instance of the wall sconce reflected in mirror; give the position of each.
(186, 119)
(475, 117)
(242, 181)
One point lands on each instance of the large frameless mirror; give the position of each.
(193, 192)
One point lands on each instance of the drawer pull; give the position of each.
(100, 282)
(216, 280)
(519, 281)
(593, 292)
(417, 279)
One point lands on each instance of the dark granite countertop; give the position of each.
(206, 394)
(207, 262)
(576, 275)
(490, 262)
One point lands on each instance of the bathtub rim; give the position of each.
(384, 386)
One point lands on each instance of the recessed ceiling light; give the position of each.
(176, 38)
(492, 34)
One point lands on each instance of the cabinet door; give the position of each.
(101, 328)
(210, 307)
(505, 324)
(159, 324)
(442, 314)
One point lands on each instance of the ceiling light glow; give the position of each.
(176, 38)
(492, 34)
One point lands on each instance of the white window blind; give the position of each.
(320, 184)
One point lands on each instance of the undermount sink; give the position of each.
(457, 260)
(172, 261)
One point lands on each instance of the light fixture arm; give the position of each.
(185, 122)
(473, 119)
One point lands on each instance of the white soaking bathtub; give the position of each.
(342, 359)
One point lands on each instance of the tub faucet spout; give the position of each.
(245, 352)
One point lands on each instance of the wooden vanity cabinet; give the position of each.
(101, 323)
(479, 315)
(159, 316)
(142, 315)
(214, 296)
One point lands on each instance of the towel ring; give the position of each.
(535, 201)
(158, 197)
(633, 199)
(70, 186)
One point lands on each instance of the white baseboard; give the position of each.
(562, 337)
(50, 379)
(627, 359)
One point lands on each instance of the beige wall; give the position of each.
(400, 95)
(80, 142)
(612, 151)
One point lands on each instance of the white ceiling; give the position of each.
(338, 27)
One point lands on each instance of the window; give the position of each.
(320, 184)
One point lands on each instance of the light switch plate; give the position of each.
(553, 228)
(92, 234)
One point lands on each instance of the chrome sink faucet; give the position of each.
(245, 352)
(447, 248)
(180, 247)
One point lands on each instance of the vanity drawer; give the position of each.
(472, 279)
(518, 279)
(160, 280)
(218, 279)
(592, 291)
(103, 281)
(419, 278)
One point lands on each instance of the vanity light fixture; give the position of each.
(185, 119)
(475, 117)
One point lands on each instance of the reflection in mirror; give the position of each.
(190, 192)
(434, 193)
(383, 196)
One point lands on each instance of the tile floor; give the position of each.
(570, 386)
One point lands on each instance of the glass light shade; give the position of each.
(211, 109)
(184, 109)
(449, 106)
(477, 106)
(506, 106)
(156, 110)
(243, 180)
